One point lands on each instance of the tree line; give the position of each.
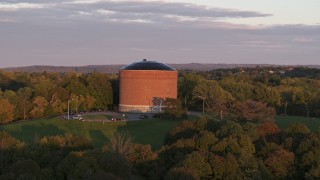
(221, 90)
(291, 91)
(35, 95)
(241, 140)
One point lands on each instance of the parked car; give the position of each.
(77, 116)
(119, 117)
(156, 115)
(144, 116)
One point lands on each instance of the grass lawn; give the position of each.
(97, 116)
(150, 131)
(286, 121)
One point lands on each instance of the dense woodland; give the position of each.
(202, 149)
(239, 140)
(36, 95)
(293, 91)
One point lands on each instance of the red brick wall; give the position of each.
(139, 87)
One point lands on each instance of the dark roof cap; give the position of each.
(148, 65)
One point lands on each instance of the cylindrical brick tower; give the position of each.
(144, 86)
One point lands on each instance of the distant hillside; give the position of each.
(115, 68)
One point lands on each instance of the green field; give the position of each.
(97, 116)
(285, 121)
(151, 131)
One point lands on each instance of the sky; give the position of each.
(101, 32)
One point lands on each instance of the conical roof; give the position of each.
(148, 65)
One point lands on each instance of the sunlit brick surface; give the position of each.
(139, 88)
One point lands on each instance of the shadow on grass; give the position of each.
(150, 131)
(28, 132)
(98, 139)
(97, 116)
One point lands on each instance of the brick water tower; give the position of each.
(144, 86)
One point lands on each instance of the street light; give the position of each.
(202, 103)
(69, 108)
(159, 99)
(160, 105)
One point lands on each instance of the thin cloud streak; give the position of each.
(143, 10)
(20, 6)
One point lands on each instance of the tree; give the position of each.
(57, 105)
(286, 97)
(24, 107)
(13, 99)
(99, 86)
(269, 131)
(141, 153)
(120, 143)
(40, 105)
(240, 89)
(6, 111)
(280, 163)
(7, 145)
(269, 95)
(198, 163)
(206, 140)
(27, 169)
(185, 129)
(173, 109)
(186, 86)
(216, 99)
(44, 88)
(297, 128)
(231, 167)
(88, 103)
(182, 173)
(76, 86)
(254, 111)
(301, 96)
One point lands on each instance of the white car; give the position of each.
(77, 116)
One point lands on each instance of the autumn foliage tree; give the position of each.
(280, 162)
(173, 109)
(269, 131)
(6, 111)
(216, 99)
(253, 111)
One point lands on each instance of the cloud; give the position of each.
(154, 12)
(102, 32)
(19, 6)
(303, 40)
(166, 8)
(159, 12)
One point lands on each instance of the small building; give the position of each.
(145, 85)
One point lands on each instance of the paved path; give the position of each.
(129, 116)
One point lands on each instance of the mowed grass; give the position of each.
(285, 121)
(150, 131)
(97, 116)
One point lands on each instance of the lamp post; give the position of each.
(160, 105)
(69, 108)
(202, 104)
(157, 99)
